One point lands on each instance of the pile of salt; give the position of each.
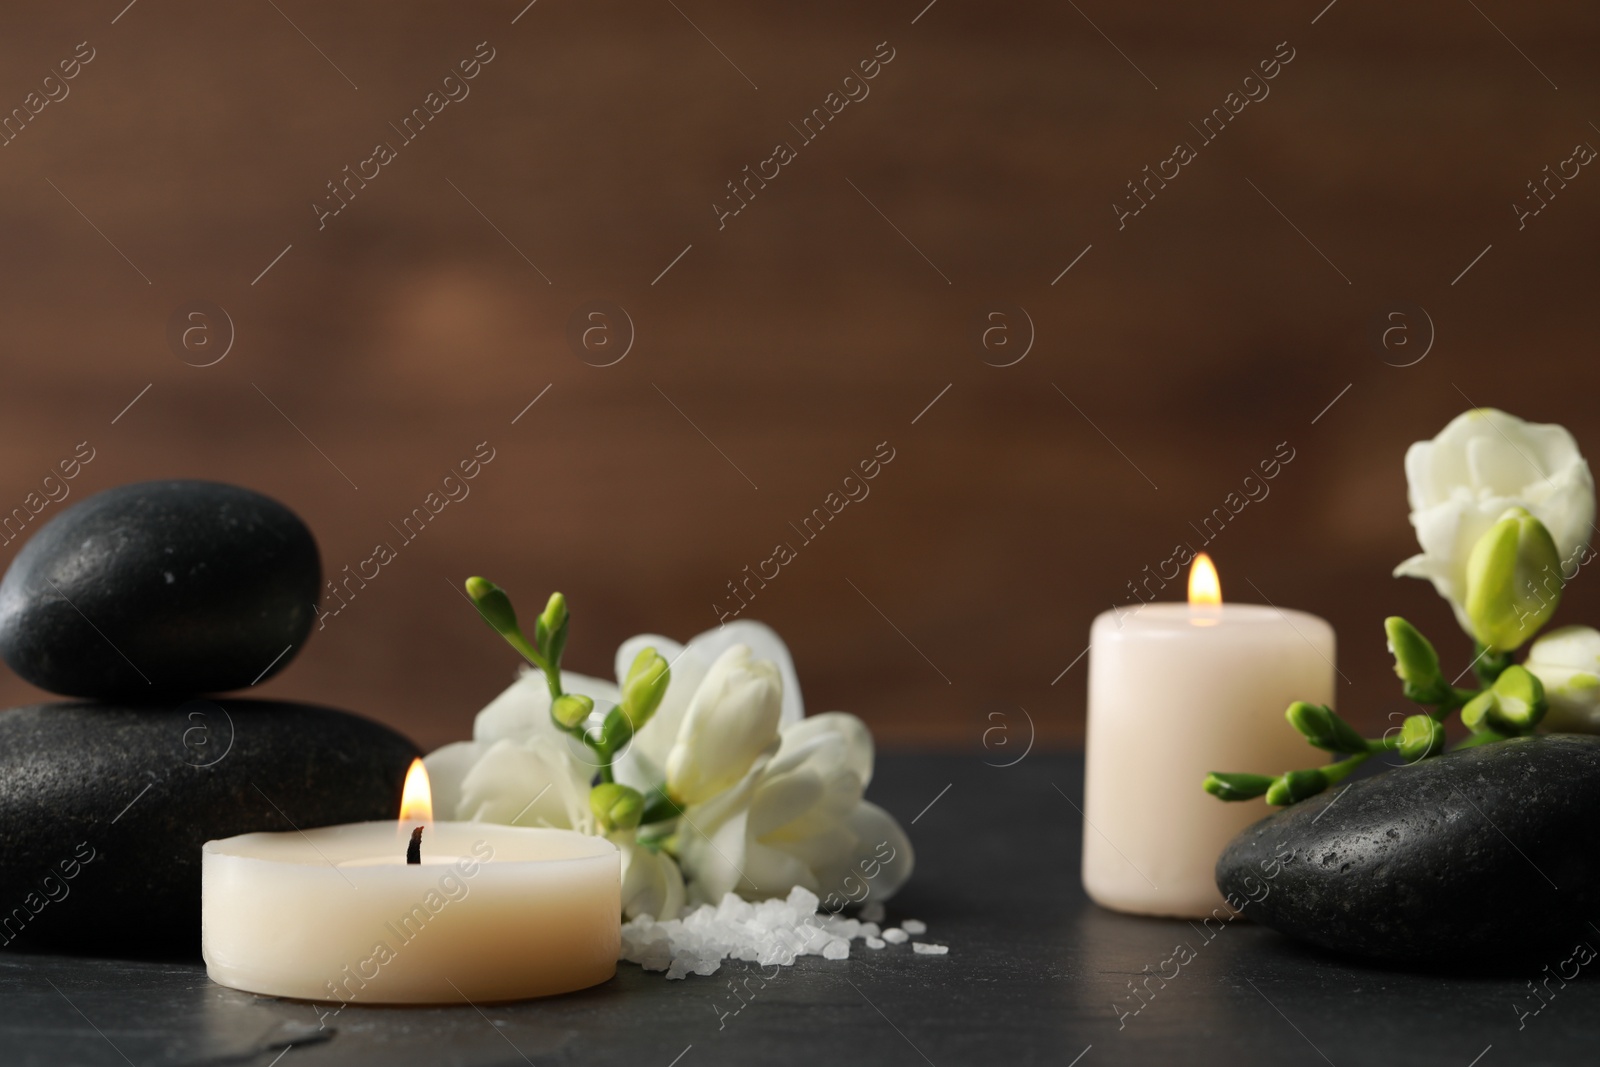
(764, 933)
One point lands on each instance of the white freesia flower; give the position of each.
(1482, 463)
(643, 764)
(731, 720)
(774, 800)
(1567, 661)
(798, 818)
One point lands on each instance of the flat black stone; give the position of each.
(103, 809)
(1035, 976)
(160, 589)
(1487, 853)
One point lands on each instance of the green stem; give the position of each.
(1489, 665)
(552, 678)
(1485, 738)
(1455, 702)
(1338, 772)
(525, 647)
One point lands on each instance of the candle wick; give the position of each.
(414, 850)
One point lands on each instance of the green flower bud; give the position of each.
(1475, 713)
(555, 613)
(1237, 786)
(1513, 581)
(644, 686)
(493, 605)
(1420, 737)
(1323, 727)
(550, 631)
(1520, 695)
(1513, 705)
(1296, 786)
(618, 807)
(571, 709)
(1416, 663)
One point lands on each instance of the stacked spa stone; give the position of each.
(147, 600)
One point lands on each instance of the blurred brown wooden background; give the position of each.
(415, 325)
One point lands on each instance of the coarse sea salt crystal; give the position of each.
(764, 932)
(872, 913)
(802, 900)
(845, 928)
(914, 926)
(896, 936)
(925, 948)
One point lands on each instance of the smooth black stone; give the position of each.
(1474, 857)
(160, 589)
(140, 789)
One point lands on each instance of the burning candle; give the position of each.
(485, 913)
(1177, 691)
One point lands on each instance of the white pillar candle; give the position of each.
(1177, 691)
(492, 912)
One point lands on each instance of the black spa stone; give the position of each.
(1476, 857)
(104, 808)
(160, 589)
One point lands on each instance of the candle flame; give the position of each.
(1205, 588)
(416, 800)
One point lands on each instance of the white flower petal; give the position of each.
(713, 857)
(528, 783)
(732, 720)
(1497, 467)
(771, 872)
(851, 735)
(651, 882)
(1567, 662)
(447, 767)
(1573, 647)
(764, 643)
(883, 858)
(815, 780)
(783, 799)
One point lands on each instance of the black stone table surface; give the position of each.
(1036, 975)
